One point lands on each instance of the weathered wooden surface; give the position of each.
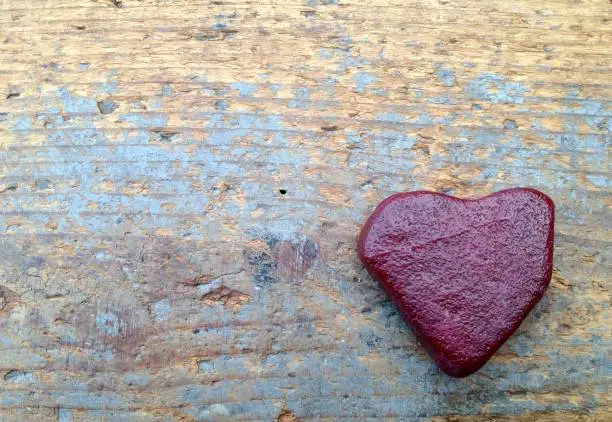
(152, 270)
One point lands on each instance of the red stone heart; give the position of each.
(463, 273)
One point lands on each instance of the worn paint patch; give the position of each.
(107, 88)
(77, 104)
(601, 181)
(137, 379)
(81, 136)
(162, 309)
(393, 142)
(108, 323)
(301, 99)
(330, 86)
(149, 120)
(23, 124)
(207, 366)
(494, 88)
(445, 75)
(215, 412)
(64, 415)
(363, 80)
(442, 100)
(391, 117)
(221, 105)
(19, 377)
(350, 61)
(596, 114)
(326, 53)
(245, 89)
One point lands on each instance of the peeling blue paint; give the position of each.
(363, 80)
(294, 157)
(600, 123)
(445, 76)
(137, 379)
(207, 366)
(345, 41)
(601, 181)
(588, 107)
(156, 104)
(87, 400)
(147, 120)
(23, 124)
(218, 26)
(5, 341)
(107, 88)
(445, 120)
(221, 105)
(245, 89)
(442, 100)
(302, 98)
(349, 61)
(243, 125)
(423, 119)
(161, 309)
(393, 142)
(326, 53)
(521, 345)
(330, 86)
(19, 377)
(108, 323)
(64, 415)
(275, 88)
(76, 104)
(391, 117)
(214, 412)
(495, 89)
(75, 137)
(596, 114)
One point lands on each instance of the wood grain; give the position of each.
(182, 182)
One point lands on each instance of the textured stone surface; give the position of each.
(152, 270)
(464, 273)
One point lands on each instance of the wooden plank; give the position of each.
(182, 182)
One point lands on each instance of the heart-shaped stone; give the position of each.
(463, 273)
